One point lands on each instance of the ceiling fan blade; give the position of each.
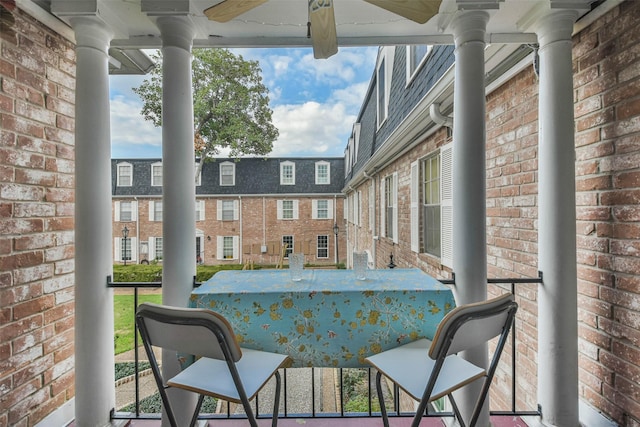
(419, 11)
(323, 28)
(229, 9)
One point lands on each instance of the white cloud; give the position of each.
(128, 127)
(311, 129)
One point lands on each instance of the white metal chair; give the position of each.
(222, 370)
(429, 376)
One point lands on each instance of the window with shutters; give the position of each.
(389, 207)
(430, 183)
(287, 209)
(126, 211)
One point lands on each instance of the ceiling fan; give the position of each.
(322, 23)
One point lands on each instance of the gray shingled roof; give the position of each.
(253, 176)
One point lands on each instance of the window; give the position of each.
(322, 173)
(156, 174)
(126, 249)
(157, 246)
(382, 93)
(287, 209)
(287, 173)
(432, 205)
(228, 247)
(384, 73)
(430, 183)
(416, 56)
(389, 207)
(199, 177)
(200, 205)
(155, 210)
(287, 243)
(322, 209)
(227, 174)
(323, 247)
(126, 211)
(125, 175)
(227, 210)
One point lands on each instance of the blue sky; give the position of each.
(314, 102)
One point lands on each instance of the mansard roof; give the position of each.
(253, 176)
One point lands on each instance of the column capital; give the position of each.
(176, 31)
(555, 25)
(470, 26)
(91, 31)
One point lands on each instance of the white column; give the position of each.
(557, 298)
(178, 184)
(94, 360)
(469, 176)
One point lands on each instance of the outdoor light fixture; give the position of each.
(125, 235)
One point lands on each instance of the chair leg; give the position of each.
(383, 409)
(194, 418)
(276, 400)
(456, 411)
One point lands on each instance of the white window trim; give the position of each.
(219, 210)
(220, 248)
(314, 209)
(328, 165)
(386, 56)
(233, 175)
(134, 210)
(318, 247)
(280, 210)
(415, 206)
(120, 166)
(153, 166)
(152, 210)
(411, 75)
(117, 246)
(383, 207)
(293, 173)
(199, 177)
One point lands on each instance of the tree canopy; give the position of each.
(230, 104)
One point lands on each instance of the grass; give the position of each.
(124, 319)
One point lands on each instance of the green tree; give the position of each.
(230, 104)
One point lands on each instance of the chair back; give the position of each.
(194, 331)
(470, 325)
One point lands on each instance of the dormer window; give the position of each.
(323, 171)
(125, 175)
(227, 174)
(287, 173)
(156, 175)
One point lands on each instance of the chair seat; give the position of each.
(410, 367)
(212, 377)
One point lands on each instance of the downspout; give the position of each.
(438, 117)
(240, 238)
(137, 230)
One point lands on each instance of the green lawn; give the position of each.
(124, 319)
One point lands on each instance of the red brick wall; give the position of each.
(36, 224)
(257, 225)
(607, 94)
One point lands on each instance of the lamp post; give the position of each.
(125, 236)
(335, 231)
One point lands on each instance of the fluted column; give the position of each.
(469, 176)
(557, 299)
(94, 358)
(178, 163)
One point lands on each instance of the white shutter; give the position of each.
(359, 207)
(152, 210)
(152, 248)
(329, 209)
(117, 246)
(220, 248)
(394, 195)
(201, 206)
(219, 210)
(116, 211)
(295, 209)
(446, 205)
(279, 203)
(383, 208)
(314, 209)
(236, 247)
(134, 249)
(372, 202)
(236, 211)
(134, 210)
(415, 207)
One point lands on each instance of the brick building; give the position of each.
(247, 210)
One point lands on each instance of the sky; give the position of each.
(315, 103)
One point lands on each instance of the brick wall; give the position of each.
(607, 111)
(36, 223)
(257, 225)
